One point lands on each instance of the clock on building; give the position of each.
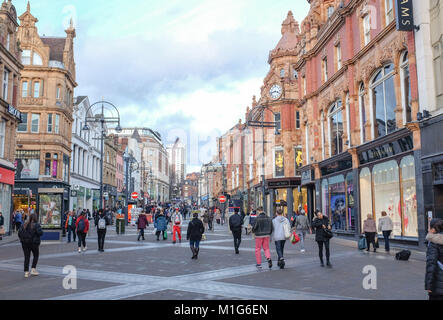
(275, 92)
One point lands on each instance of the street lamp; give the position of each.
(102, 119)
(253, 121)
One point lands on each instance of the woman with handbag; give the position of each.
(282, 232)
(434, 261)
(323, 234)
(370, 230)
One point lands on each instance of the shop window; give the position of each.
(300, 197)
(383, 101)
(350, 203)
(337, 202)
(410, 223)
(406, 87)
(5, 204)
(325, 197)
(365, 194)
(387, 193)
(336, 128)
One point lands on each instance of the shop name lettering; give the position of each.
(405, 16)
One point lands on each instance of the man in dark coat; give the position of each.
(320, 224)
(235, 224)
(194, 235)
(434, 261)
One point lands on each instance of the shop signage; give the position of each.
(405, 15)
(7, 176)
(14, 112)
(337, 166)
(74, 193)
(387, 150)
(307, 176)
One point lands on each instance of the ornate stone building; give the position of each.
(10, 67)
(110, 171)
(44, 136)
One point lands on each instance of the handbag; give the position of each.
(2, 231)
(295, 238)
(377, 245)
(328, 233)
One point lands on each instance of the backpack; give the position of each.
(101, 223)
(25, 235)
(81, 226)
(403, 255)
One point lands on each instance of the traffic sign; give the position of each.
(134, 195)
(222, 199)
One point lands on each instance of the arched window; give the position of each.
(335, 119)
(405, 88)
(37, 59)
(383, 101)
(362, 106)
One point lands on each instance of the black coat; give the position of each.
(2, 221)
(37, 232)
(434, 254)
(195, 230)
(101, 216)
(235, 222)
(317, 224)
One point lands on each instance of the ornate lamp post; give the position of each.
(100, 117)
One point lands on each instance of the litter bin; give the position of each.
(120, 226)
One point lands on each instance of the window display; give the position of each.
(387, 193)
(300, 199)
(365, 195)
(50, 207)
(410, 223)
(5, 204)
(350, 219)
(338, 202)
(325, 197)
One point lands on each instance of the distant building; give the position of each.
(177, 160)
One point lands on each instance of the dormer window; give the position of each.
(37, 59)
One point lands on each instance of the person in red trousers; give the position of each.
(176, 221)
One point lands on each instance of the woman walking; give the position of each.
(280, 223)
(386, 226)
(30, 234)
(321, 224)
(82, 228)
(161, 225)
(194, 235)
(247, 223)
(434, 261)
(370, 230)
(142, 223)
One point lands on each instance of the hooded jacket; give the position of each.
(434, 272)
(279, 231)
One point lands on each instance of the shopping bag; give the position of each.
(155, 231)
(295, 238)
(362, 244)
(203, 237)
(165, 235)
(377, 245)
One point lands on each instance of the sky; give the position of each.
(184, 68)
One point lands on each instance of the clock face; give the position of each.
(275, 91)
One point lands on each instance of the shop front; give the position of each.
(6, 186)
(387, 178)
(337, 192)
(308, 184)
(287, 194)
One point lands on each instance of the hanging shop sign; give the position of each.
(387, 150)
(405, 15)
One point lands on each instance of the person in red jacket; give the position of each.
(82, 228)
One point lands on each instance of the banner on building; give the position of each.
(405, 15)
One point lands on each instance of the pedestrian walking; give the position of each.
(247, 223)
(161, 225)
(194, 235)
(70, 225)
(321, 224)
(177, 220)
(236, 224)
(18, 220)
(2, 223)
(434, 261)
(262, 230)
(370, 230)
(101, 222)
(281, 226)
(211, 219)
(218, 216)
(30, 234)
(142, 223)
(385, 226)
(205, 218)
(301, 226)
(82, 228)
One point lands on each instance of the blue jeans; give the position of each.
(195, 244)
(71, 229)
(280, 247)
(386, 235)
(302, 235)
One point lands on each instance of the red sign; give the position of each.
(222, 199)
(7, 176)
(134, 195)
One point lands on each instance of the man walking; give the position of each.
(101, 222)
(70, 225)
(176, 221)
(262, 230)
(236, 224)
